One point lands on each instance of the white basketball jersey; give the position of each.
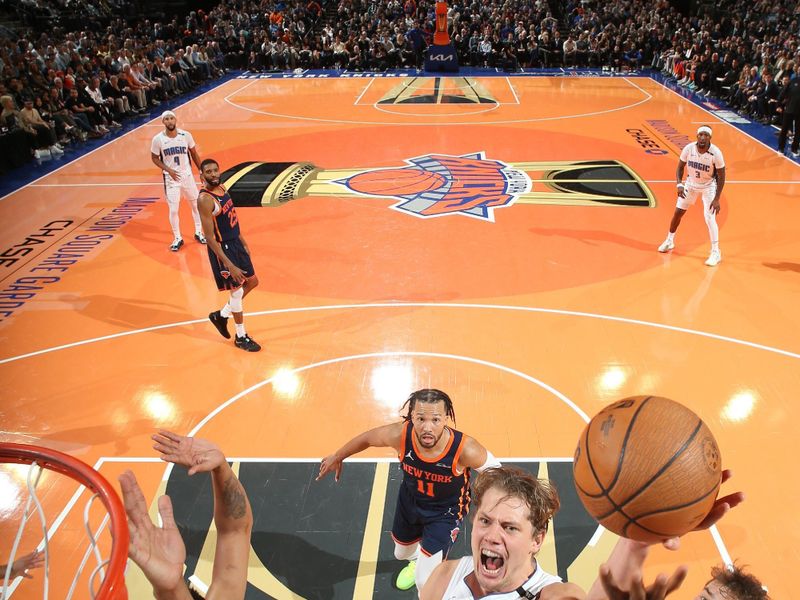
(458, 589)
(701, 167)
(174, 152)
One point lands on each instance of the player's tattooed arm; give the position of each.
(234, 499)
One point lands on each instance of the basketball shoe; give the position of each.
(666, 246)
(247, 343)
(200, 237)
(406, 578)
(176, 244)
(221, 323)
(714, 258)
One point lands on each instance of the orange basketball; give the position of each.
(396, 182)
(647, 468)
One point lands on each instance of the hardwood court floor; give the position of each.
(532, 318)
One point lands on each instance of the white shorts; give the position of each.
(691, 194)
(186, 187)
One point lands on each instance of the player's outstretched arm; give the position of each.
(233, 517)
(158, 551)
(386, 436)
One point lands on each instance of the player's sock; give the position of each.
(226, 311)
(671, 236)
(715, 246)
(240, 332)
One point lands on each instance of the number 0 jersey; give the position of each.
(226, 223)
(435, 482)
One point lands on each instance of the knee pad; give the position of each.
(236, 300)
(405, 552)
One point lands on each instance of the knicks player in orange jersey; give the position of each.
(227, 252)
(434, 496)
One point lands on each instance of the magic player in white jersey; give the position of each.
(705, 179)
(173, 151)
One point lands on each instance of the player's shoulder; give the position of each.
(183, 133)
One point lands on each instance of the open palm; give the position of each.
(196, 454)
(159, 551)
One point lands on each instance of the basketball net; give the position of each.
(105, 578)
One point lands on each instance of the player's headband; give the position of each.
(704, 129)
(169, 113)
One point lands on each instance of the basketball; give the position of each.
(395, 182)
(647, 468)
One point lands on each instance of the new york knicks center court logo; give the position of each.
(437, 185)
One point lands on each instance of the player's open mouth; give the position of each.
(491, 562)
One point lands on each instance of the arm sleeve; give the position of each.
(491, 463)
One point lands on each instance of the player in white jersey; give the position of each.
(513, 509)
(173, 151)
(705, 179)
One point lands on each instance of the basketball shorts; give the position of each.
(186, 187)
(234, 250)
(435, 528)
(691, 194)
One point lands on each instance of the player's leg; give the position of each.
(406, 534)
(715, 256)
(682, 204)
(190, 191)
(172, 190)
(438, 536)
(239, 256)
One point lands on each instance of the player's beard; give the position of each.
(212, 183)
(170, 127)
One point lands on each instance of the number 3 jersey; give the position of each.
(174, 152)
(435, 482)
(702, 167)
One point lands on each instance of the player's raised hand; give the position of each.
(196, 454)
(719, 510)
(659, 590)
(330, 463)
(159, 551)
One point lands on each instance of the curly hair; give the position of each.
(540, 495)
(735, 584)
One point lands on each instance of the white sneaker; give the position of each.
(714, 258)
(55, 149)
(42, 153)
(666, 246)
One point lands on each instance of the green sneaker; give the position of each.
(405, 579)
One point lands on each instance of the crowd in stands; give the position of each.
(60, 85)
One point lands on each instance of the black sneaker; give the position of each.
(221, 323)
(200, 238)
(247, 343)
(176, 245)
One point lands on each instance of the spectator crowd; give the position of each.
(61, 85)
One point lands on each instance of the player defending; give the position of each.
(706, 179)
(228, 253)
(434, 495)
(160, 551)
(173, 151)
